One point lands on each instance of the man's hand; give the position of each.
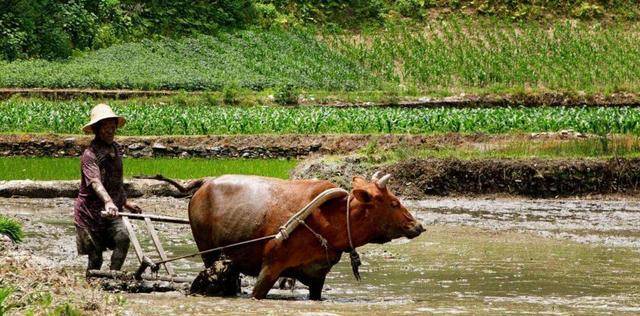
(111, 211)
(133, 207)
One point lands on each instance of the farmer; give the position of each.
(102, 190)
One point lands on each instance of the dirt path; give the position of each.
(460, 101)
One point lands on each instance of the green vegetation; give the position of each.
(58, 29)
(441, 57)
(617, 146)
(54, 29)
(147, 118)
(16, 168)
(198, 63)
(13, 230)
(5, 292)
(34, 303)
(490, 56)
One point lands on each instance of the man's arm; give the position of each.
(109, 207)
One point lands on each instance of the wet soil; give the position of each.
(420, 178)
(478, 256)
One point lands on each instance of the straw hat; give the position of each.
(99, 113)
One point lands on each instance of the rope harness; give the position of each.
(286, 229)
(323, 242)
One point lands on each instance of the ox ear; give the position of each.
(362, 196)
(358, 181)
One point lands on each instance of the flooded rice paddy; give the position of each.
(478, 256)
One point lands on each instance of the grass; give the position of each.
(437, 57)
(12, 229)
(616, 146)
(5, 292)
(149, 118)
(37, 303)
(16, 168)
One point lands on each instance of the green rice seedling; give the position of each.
(16, 168)
(620, 146)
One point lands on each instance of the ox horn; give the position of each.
(376, 176)
(382, 183)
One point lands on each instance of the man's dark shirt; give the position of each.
(99, 162)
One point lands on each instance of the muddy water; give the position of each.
(610, 222)
(477, 257)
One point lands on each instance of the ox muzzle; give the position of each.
(414, 231)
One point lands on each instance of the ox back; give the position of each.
(235, 208)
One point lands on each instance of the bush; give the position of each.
(588, 10)
(411, 8)
(52, 29)
(230, 94)
(286, 94)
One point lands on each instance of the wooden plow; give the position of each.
(138, 281)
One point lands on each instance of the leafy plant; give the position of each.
(11, 228)
(454, 55)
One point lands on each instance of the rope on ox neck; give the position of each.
(353, 254)
(323, 242)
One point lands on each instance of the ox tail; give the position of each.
(187, 190)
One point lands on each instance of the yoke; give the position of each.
(301, 215)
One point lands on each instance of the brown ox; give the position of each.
(236, 208)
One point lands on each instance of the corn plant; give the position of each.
(149, 118)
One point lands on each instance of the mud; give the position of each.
(613, 223)
(69, 188)
(478, 256)
(419, 178)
